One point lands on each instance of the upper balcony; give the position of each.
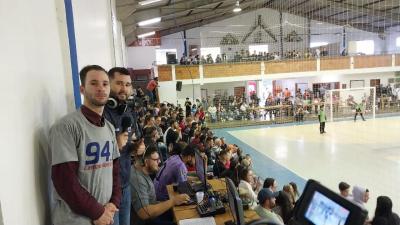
(278, 69)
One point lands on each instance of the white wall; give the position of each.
(228, 87)
(94, 33)
(176, 41)
(173, 41)
(343, 79)
(187, 92)
(37, 90)
(393, 34)
(141, 57)
(167, 92)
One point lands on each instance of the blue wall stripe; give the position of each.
(72, 51)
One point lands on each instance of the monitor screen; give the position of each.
(231, 199)
(324, 211)
(200, 171)
(235, 203)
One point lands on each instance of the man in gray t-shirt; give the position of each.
(146, 209)
(85, 165)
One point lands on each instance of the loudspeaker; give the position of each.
(171, 58)
(179, 86)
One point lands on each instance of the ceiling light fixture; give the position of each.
(146, 34)
(150, 21)
(148, 2)
(237, 7)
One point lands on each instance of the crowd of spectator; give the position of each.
(247, 56)
(229, 160)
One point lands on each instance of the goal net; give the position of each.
(341, 103)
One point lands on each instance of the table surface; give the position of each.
(190, 211)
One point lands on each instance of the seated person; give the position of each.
(136, 149)
(360, 197)
(151, 137)
(246, 187)
(266, 200)
(288, 189)
(384, 213)
(284, 207)
(145, 208)
(344, 189)
(174, 171)
(271, 184)
(219, 169)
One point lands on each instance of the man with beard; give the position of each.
(85, 164)
(146, 208)
(118, 113)
(266, 201)
(173, 171)
(121, 90)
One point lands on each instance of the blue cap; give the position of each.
(265, 194)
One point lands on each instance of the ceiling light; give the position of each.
(237, 7)
(148, 2)
(146, 34)
(150, 21)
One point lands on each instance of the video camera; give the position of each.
(132, 102)
(320, 206)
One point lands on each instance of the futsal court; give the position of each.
(361, 153)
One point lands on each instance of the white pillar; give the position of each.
(173, 73)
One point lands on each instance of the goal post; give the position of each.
(341, 103)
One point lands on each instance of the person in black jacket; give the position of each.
(188, 107)
(383, 212)
(219, 168)
(123, 118)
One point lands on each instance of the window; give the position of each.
(213, 51)
(258, 49)
(365, 47)
(161, 55)
(398, 42)
(318, 44)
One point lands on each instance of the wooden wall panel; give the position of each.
(164, 73)
(290, 66)
(397, 61)
(187, 72)
(230, 70)
(340, 63)
(372, 61)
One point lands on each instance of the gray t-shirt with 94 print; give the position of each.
(75, 139)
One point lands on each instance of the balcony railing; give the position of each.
(219, 70)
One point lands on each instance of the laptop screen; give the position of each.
(200, 170)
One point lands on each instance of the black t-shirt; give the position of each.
(219, 169)
(188, 105)
(172, 137)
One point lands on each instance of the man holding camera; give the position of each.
(85, 164)
(121, 115)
